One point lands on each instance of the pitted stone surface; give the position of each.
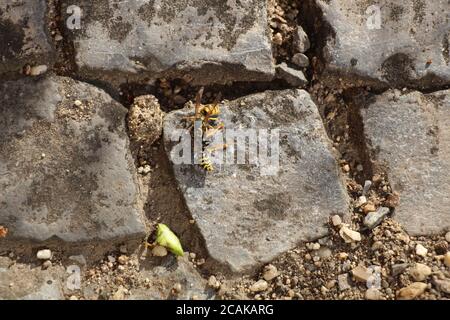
(409, 46)
(213, 41)
(65, 170)
(409, 135)
(23, 35)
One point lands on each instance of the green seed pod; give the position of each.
(166, 238)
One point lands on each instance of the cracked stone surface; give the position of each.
(411, 34)
(213, 41)
(248, 218)
(410, 137)
(23, 35)
(65, 170)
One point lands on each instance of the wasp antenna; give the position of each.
(198, 97)
(218, 98)
(198, 101)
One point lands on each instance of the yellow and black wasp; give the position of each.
(210, 124)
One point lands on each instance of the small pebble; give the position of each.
(412, 291)
(367, 185)
(373, 294)
(270, 272)
(343, 282)
(45, 254)
(361, 274)
(300, 60)
(349, 235)
(369, 207)
(447, 259)
(373, 219)
(336, 220)
(301, 40)
(362, 200)
(399, 268)
(176, 288)
(260, 285)
(277, 38)
(122, 259)
(38, 70)
(213, 283)
(324, 253)
(419, 272)
(421, 250)
(447, 237)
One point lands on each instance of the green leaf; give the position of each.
(166, 238)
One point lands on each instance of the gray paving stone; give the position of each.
(247, 213)
(23, 35)
(66, 172)
(409, 135)
(212, 41)
(410, 34)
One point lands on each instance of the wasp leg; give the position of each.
(211, 149)
(211, 131)
(198, 102)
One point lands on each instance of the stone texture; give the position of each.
(294, 77)
(411, 33)
(23, 35)
(409, 135)
(169, 273)
(248, 215)
(213, 41)
(65, 171)
(18, 281)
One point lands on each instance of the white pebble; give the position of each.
(349, 235)
(38, 70)
(421, 250)
(213, 283)
(447, 237)
(336, 220)
(362, 200)
(45, 254)
(270, 272)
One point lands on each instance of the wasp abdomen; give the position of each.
(206, 163)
